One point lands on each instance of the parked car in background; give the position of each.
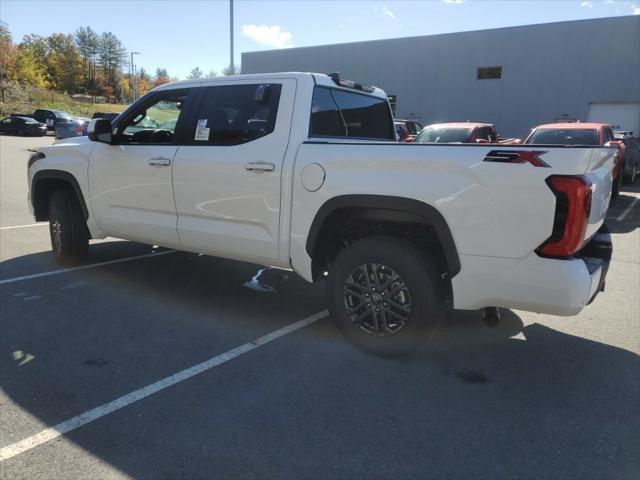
(630, 157)
(579, 133)
(413, 128)
(108, 115)
(51, 117)
(22, 126)
(458, 132)
(75, 127)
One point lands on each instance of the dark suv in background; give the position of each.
(51, 117)
(630, 155)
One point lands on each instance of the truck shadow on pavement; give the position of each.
(502, 402)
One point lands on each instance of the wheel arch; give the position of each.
(380, 208)
(44, 183)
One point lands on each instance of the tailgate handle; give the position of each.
(260, 167)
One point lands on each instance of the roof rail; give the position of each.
(335, 76)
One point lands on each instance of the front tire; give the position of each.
(67, 228)
(386, 296)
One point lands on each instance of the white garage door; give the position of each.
(621, 116)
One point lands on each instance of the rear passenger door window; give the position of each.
(341, 113)
(235, 114)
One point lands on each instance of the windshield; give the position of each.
(443, 135)
(64, 115)
(563, 136)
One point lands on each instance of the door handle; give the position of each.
(260, 167)
(160, 161)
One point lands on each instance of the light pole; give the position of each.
(231, 66)
(133, 77)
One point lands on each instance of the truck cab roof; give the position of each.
(574, 125)
(461, 125)
(317, 78)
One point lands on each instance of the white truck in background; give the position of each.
(301, 171)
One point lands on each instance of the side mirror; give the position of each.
(99, 130)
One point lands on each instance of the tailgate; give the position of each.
(595, 163)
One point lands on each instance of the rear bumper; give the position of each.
(536, 284)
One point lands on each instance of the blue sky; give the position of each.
(179, 35)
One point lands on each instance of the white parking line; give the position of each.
(41, 224)
(627, 210)
(83, 267)
(89, 416)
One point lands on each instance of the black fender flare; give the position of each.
(399, 204)
(60, 175)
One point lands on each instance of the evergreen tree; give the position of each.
(195, 73)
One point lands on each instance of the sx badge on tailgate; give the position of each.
(517, 156)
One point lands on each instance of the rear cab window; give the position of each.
(341, 113)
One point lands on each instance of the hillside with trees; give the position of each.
(64, 70)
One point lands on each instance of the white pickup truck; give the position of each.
(301, 171)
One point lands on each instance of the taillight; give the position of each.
(79, 130)
(573, 206)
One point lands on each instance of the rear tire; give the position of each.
(67, 228)
(400, 301)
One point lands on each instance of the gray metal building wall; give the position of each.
(549, 70)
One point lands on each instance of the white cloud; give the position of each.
(587, 4)
(341, 26)
(635, 8)
(457, 2)
(385, 10)
(269, 35)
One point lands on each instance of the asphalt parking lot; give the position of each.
(260, 394)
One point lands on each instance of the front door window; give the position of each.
(154, 123)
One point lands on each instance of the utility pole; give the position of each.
(132, 79)
(231, 64)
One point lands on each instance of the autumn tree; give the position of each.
(31, 62)
(7, 52)
(161, 77)
(143, 75)
(64, 63)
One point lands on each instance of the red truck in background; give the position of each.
(462, 132)
(581, 134)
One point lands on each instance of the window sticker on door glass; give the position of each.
(202, 134)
